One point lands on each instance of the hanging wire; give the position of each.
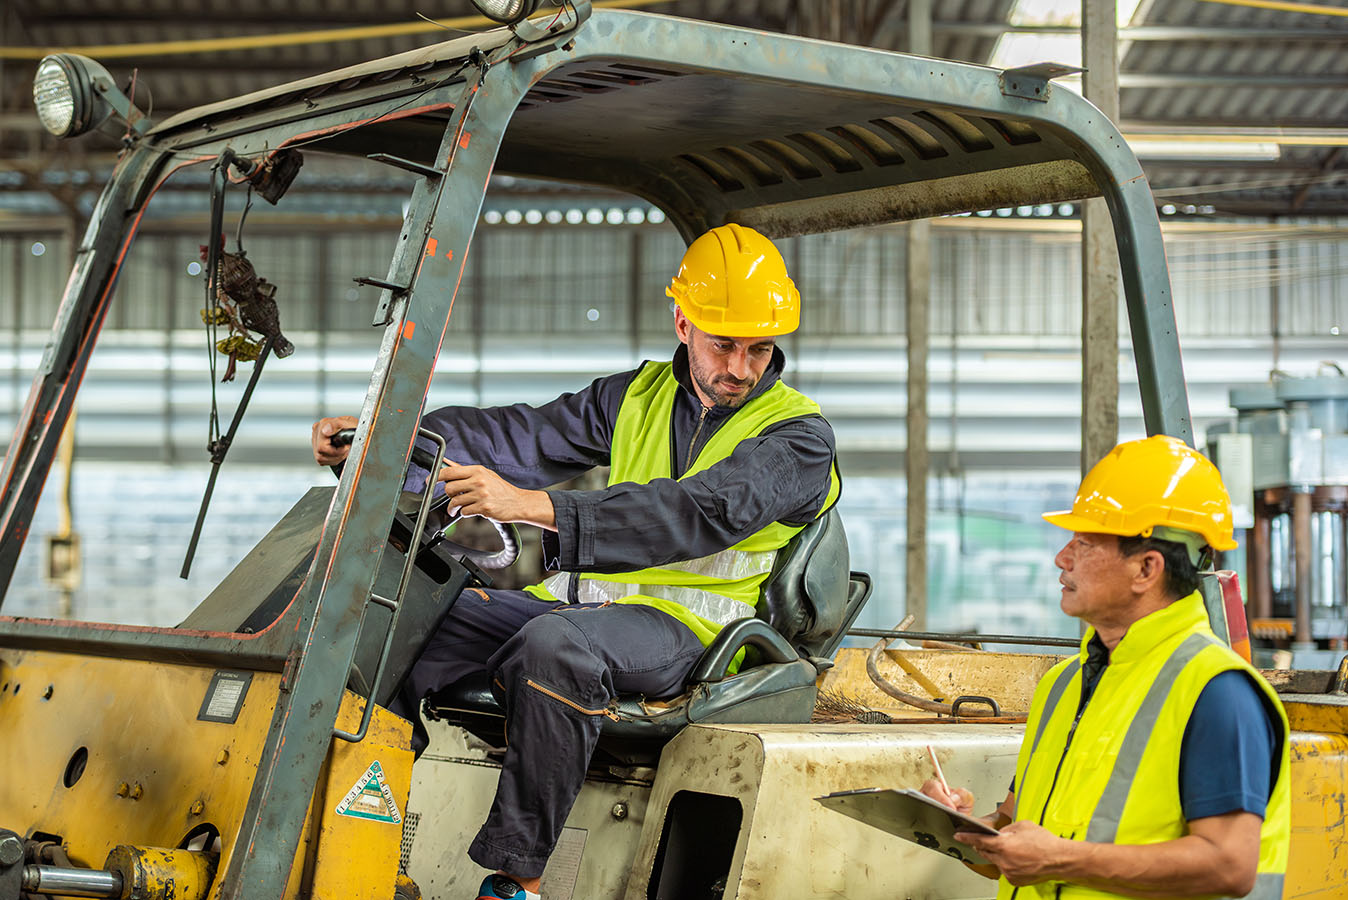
(219, 179)
(131, 99)
(444, 27)
(474, 57)
(243, 216)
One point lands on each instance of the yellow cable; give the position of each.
(292, 39)
(1311, 8)
(1336, 137)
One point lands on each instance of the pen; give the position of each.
(940, 776)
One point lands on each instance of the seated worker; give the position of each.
(714, 465)
(1156, 760)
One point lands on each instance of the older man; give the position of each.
(1155, 761)
(714, 465)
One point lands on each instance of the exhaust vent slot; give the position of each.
(970, 137)
(880, 151)
(717, 173)
(829, 150)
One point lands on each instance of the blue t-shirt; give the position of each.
(1230, 755)
(1231, 751)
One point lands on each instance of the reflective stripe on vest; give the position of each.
(1105, 821)
(713, 607)
(1050, 704)
(1054, 695)
(728, 565)
(712, 591)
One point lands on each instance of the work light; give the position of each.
(69, 92)
(507, 12)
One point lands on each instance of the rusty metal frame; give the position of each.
(459, 109)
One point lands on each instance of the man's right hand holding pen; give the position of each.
(957, 799)
(962, 801)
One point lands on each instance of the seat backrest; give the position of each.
(805, 597)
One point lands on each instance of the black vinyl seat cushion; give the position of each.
(805, 608)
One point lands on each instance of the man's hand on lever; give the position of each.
(472, 490)
(325, 452)
(478, 491)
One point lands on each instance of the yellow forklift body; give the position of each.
(139, 753)
(1317, 866)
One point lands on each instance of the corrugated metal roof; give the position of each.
(1219, 65)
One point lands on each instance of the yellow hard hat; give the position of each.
(733, 283)
(1152, 484)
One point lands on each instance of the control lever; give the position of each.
(475, 559)
(420, 455)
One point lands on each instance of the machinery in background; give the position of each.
(1285, 460)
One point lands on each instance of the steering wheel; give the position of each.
(439, 521)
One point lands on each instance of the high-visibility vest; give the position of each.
(707, 593)
(1112, 775)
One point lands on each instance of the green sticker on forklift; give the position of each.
(370, 798)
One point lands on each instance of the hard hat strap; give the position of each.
(1192, 540)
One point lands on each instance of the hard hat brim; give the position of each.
(1070, 521)
(785, 325)
(1065, 518)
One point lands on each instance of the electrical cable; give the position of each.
(547, 31)
(1314, 9)
(219, 177)
(243, 216)
(327, 135)
(474, 54)
(468, 60)
(442, 25)
(292, 39)
(127, 137)
(1224, 187)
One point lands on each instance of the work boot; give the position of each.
(499, 887)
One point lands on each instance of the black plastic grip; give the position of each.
(420, 455)
(756, 633)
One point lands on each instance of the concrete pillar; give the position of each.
(1099, 257)
(1302, 550)
(918, 328)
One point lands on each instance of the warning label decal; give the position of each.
(370, 798)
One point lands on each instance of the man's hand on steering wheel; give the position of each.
(331, 439)
(478, 491)
(326, 453)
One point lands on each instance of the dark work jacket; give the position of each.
(782, 475)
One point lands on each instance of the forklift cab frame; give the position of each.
(712, 124)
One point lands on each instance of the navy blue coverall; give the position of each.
(560, 665)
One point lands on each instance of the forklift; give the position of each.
(248, 754)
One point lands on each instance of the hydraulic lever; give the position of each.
(486, 559)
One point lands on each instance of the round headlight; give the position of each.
(506, 11)
(64, 94)
(54, 96)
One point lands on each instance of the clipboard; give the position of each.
(913, 816)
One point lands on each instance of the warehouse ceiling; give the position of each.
(1235, 107)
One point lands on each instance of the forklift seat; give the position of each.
(805, 607)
